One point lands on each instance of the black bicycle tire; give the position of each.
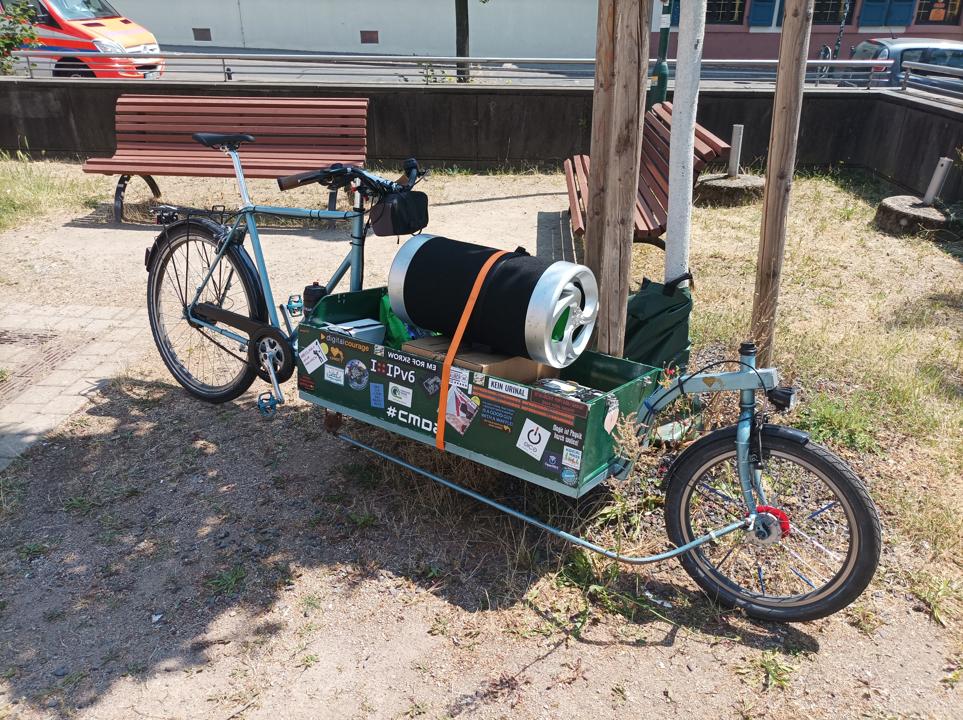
(161, 253)
(865, 530)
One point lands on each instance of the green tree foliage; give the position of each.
(16, 32)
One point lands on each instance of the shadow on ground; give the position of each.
(139, 524)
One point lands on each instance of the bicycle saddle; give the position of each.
(213, 140)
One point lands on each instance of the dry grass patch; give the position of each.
(30, 189)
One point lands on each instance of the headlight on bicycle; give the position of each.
(783, 399)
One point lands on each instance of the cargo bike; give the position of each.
(760, 517)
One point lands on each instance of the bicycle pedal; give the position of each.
(295, 305)
(267, 404)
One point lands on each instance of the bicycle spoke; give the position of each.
(819, 545)
(823, 509)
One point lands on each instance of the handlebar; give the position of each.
(289, 182)
(339, 175)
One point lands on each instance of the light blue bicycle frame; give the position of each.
(353, 261)
(747, 381)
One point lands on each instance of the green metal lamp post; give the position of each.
(661, 74)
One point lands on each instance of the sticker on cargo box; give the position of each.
(431, 384)
(480, 379)
(459, 378)
(508, 388)
(379, 350)
(460, 410)
(552, 462)
(611, 415)
(572, 457)
(334, 374)
(377, 391)
(357, 375)
(392, 372)
(533, 439)
(569, 476)
(400, 395)
(312, 357)
(497, 417)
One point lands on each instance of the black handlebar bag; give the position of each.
(401, 213)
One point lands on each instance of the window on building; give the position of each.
(766, 13)
(830, 12)
(887, 13)
(718, 12)
(725, 12)
(938, 12)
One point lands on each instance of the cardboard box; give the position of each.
(517, 369)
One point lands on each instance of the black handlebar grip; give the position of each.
(289, 182)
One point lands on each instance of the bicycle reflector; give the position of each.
(783, 399)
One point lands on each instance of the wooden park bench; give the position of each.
(652, 202)
(292, 135)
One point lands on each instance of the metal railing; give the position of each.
(405, 70)
(938, 79)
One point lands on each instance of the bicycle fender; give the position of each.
(729, 432)
(201, 223)
(239, 254)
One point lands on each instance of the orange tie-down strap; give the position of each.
(456, 341)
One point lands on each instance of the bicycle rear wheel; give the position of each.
(820, 543)
(210, 366)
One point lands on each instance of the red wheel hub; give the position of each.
(783, 519)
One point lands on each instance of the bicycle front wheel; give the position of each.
(820, 543)
(209, 365)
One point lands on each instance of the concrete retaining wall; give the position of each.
(897, 136)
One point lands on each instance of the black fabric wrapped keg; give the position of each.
(527, 306)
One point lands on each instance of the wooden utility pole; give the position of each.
(780, 166)
(621, 76)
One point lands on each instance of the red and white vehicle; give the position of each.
(81, 32)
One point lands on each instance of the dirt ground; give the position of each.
(164, 558)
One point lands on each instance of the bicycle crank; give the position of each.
(271, 354)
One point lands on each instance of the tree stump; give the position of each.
(906, 215)
(720, 190)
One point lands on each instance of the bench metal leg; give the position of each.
(122, 190)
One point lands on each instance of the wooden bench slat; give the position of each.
(249, 100)
(578, 221)
(237, 111)
(701, 149)
(190, 125)
(316, 160)
(178, 141)
(582, 167)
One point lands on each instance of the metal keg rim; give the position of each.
(397, 272)
(563, 286)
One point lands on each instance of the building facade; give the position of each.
(515, 28)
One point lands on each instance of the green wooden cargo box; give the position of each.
(549, 439)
